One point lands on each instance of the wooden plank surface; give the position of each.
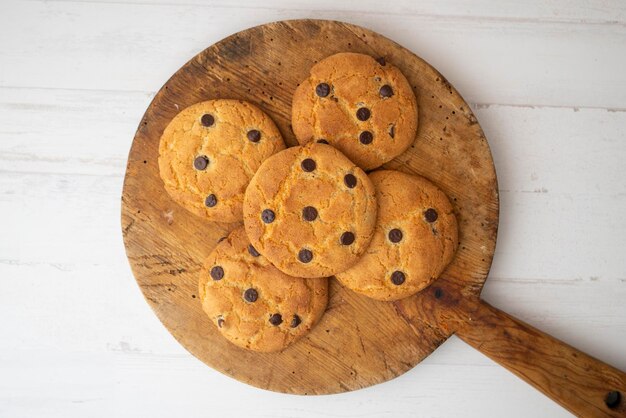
(557, 63)
(67, 140)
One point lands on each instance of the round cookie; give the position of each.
(310, 211)
(209, 152)
(253, 304)
(362, 106)
(415, 239)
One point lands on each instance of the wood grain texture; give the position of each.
(556, 54)
(359, 342)
(611, 12)
(580, 383)
(79, 339)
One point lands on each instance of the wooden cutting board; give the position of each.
(359, 342)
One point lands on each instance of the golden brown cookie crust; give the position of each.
(231, 157)
(355, 82)
(242, 315)
(343, 206)
(421, 249)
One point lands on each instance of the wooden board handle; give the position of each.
(580, 383)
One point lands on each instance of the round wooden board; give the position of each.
(359, 342)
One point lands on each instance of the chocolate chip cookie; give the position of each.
(310, 211)
(253, 304)
(209, 152)
(415, 239)
(362, 106)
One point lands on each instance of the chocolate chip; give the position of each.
(268, 216)
(381, 61)
(612, 399)
(385, 91)
(210, 201)
(395, 235)
(207, 120)
(366, 137)
(220, 322)
(347, 238)
(392, 131)
(309, 213)
(438, 293)
(276, 319)
(363, 114)
(305, 255)
(322, 89)
(217, 273)
(431, 215)
(349, 180)
(308, 165)
(322, 141)
(295, 321)
(250, 295)
(253, 252)
(201, 162)
(397, 278)
(254, 135)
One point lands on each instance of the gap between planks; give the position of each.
(432, 16)
(151, 94)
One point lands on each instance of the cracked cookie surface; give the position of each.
(415, 239)
(253, 304)
(362, 106)
(209, 152)
(310, 211)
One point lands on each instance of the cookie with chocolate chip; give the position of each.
(310, 211)
(362, 106)
(209, 152)
(416, 238)
(253, 304)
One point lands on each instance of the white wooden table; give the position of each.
(547, 81)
